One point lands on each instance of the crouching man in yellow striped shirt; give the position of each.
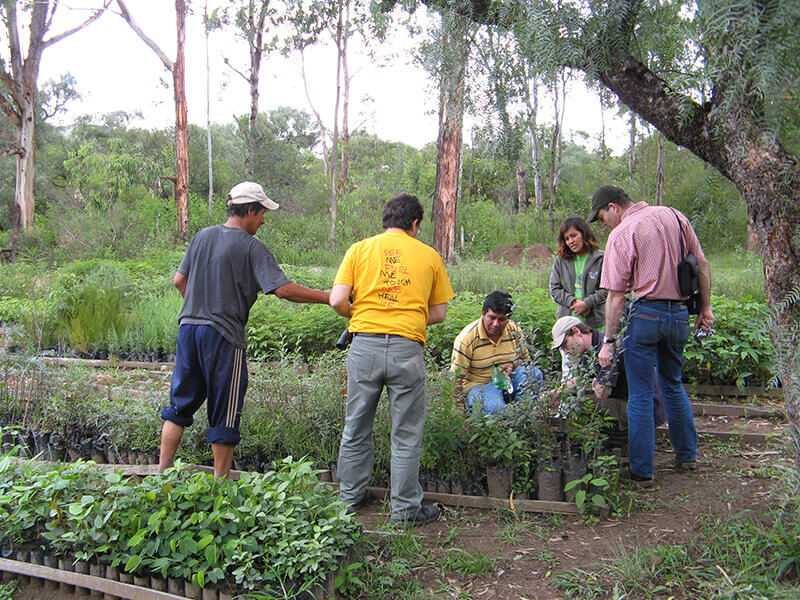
(493, 340)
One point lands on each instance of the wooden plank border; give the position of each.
(90, 582)
(730, 410)
(732, 390)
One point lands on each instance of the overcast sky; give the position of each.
(115, 70)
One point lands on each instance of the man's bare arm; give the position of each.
(436, 313)
(615, 304)
(299, 293)
(180, 281)
(706, 317)
(340, 299)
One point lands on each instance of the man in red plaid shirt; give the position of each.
(642, 256)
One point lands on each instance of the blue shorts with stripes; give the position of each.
(208, 366)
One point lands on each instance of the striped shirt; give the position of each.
(643, 252)
(474, 353)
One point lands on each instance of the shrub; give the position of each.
(264, 531)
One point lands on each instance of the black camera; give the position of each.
(344, 340)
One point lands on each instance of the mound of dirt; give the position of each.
(513, 254)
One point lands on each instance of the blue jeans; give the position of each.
(654, 339)
(524, 379)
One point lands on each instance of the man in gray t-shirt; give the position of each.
(219, 278)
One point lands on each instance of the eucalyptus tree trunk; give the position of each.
(323, 132)
(555, 148)
(177, 69)
(335, 140)
(19, 78)
(256, 41)
(345, 174)
(181, 127)
(531, 99)
(208, 118)
(455, 45)
(632, 147)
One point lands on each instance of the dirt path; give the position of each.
(526, 552)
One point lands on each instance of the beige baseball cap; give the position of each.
(249, 191)
(560, 330)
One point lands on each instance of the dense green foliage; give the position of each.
(264, 531)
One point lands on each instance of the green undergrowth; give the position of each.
(130, 310)
(746, 556)
(264, 531)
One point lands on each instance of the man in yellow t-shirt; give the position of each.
(391, 286)
(493, 339)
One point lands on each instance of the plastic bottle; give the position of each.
(501, 379)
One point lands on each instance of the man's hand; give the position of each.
(705, 319)
(579, 308)
(606, 355)
(508, 368)
(600, 390)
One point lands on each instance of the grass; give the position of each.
(738, 274)
(482, 277)
(744, 556)
(467, 564)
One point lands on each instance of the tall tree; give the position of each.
(748, 59)
(453, 51)
(177, 68)
(19, 76)
(208, 24)
(251, 17)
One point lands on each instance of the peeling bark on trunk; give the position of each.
(450, 140)
(26, 163)
(177, 69)
(532, 104)
(345, 175)
(181, 127)
(253, 83)
(334, 205)
(19, 77)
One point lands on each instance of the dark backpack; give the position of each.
(688, 276)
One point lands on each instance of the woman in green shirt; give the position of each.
(575, 281)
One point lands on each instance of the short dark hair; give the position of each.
(582, 327)
(401, 211)
(589, 241)
(242, 210)
(499, 302)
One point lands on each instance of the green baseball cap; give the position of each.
(604, 195)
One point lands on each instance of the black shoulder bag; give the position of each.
(688, 276)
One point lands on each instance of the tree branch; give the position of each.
(13, 90)
(13, 40)
(13, 150)
(682, 120)
(126, 15)
(9, 110)
(234, 69)
(57, 38)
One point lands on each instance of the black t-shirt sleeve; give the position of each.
(265, 268)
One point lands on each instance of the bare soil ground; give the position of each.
(514, 254)
(529, 550)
